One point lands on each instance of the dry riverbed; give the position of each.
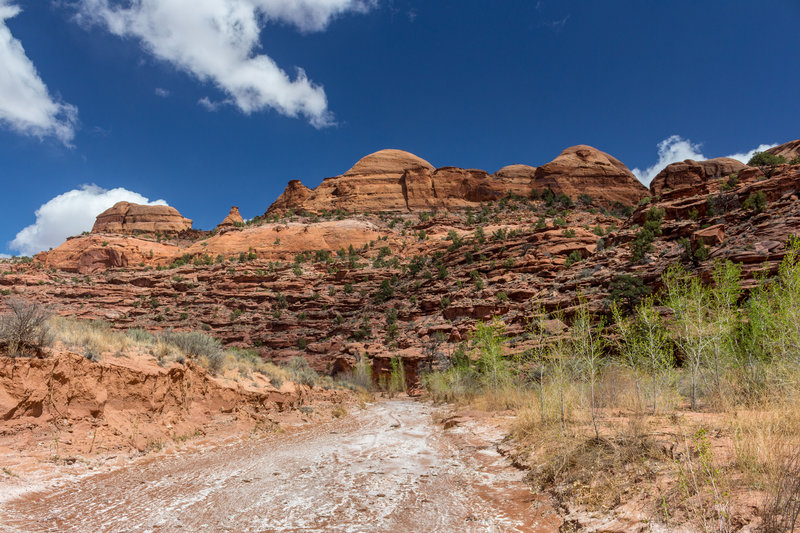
(388, 467)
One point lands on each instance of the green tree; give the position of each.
(588, 345)
(489, 339)
(693, 328)
(644, 344)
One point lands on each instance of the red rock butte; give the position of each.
(394, 180)
(125, 217)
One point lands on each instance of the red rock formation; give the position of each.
(585, 170)
(292, 197)
(788, 150)
(329, 302)
(517, 179)
(233, 219)
(96, 253)
(689, 173)
(125, 217)
(393, 180)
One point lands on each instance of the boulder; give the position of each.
(583, 170)
(710, 236)
(125, 217)
(690, 173)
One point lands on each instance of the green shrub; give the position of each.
(756, 202)
(384, 292)
(643, 242)
(302, 372)
(763, 159)
(574, 257)
(629, 289)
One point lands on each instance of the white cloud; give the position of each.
(745, 157)
(218, 40)
(26, 106)
(208, 104)
(5, 256)
(69, 214)
(163, 93)
(675, 148)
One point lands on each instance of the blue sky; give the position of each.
(154, 101)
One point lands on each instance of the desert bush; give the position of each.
(301, 372)
(643, 242)
(783, 512)
(574, 257)
(763, 159)
(397, 378)
(756, 202)
(25, 329)
(204, 348)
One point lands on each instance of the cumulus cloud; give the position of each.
(745, 157)
(163, 93)
(26, 105)
(69, 214)
(675, 148)
(218, 41)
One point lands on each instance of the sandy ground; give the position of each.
(388, 467)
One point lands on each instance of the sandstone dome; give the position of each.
(387, 162)
(127, 217)
(585, 170)
(515, 172)
(788, 150)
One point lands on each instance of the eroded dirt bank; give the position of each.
(388, 467)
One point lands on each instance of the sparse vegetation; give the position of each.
(587, 407)
(25, 329)
(643, 242)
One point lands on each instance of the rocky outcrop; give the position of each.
(788, 150)
(393, 180)
(583, 170)
(293, 197)
(516, 179)
(125, 217)
(96, 253)
(375, 183)
(689, 173)
(233, 219)
(88, 254)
